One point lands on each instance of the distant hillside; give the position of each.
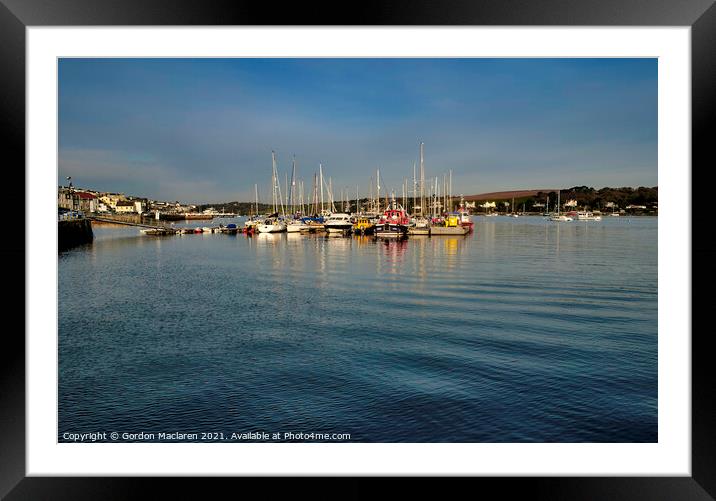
(584, 195)
(504, 195)
(529, 199)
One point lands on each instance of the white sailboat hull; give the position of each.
(272, 228)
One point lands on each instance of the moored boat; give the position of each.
(419, 226)
(252, 222)
(338, 223)
(588, 216)
(393, 223)
(272, 225)
(363, 226)
(295, 226)
(230, 228)
(312, 224)
(559, 217)
(464, 213)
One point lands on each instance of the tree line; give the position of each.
(594, 199)
(600, 199)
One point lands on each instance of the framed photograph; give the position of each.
(438, 242)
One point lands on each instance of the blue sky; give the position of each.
(202, 130)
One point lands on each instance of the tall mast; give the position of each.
(277, 187)
(450, 191)
(422, 181)
(558, 193)
(273, 180)
(300, 197)
(314, 197)
(330, 193)
(256, 192)
(437, 197)
(377, 182)
(293, 184)
(414, 187)
(405, 185)
(320, 170)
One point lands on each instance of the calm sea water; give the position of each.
(524, 331)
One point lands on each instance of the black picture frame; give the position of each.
(16, 15)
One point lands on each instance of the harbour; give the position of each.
(365, 250)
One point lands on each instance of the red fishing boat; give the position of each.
(393, 223)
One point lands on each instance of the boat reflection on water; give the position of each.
(393, 249)
(390, 258)
(269, 238)
(363, 240)
(451, 246)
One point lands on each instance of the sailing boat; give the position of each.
(420, 225)
(513, 213)
(558, 217)
(254, 220)
(296, 224)
(273, 224)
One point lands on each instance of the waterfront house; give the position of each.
(66, 199)
(140, 205)
(111, 199)
(124, 207)
(71, 199)
(87, 202)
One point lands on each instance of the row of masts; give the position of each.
(427, 197)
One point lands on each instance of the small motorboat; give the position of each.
(231, 228)
(363, 226)
(338, 223)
